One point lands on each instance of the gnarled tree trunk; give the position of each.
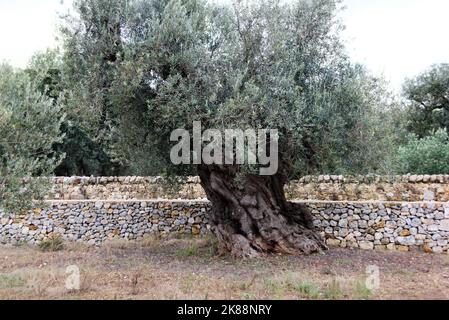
(252, 217)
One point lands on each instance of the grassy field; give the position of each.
(187, 268)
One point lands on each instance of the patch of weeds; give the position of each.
(333, 290)
(20, 244)
(52, 244)
(344, 262)
(269, 284)
(254, 264)
(274, 288)
(9, 281)
(446, 262)
(189, 251)
(151, 240)
(307, 289)
(249, 284)
(404, 273)
(77, 247)
(88, 280)
(212, 246)
(119, 244)
(186, 236)
(327, 271)
(187, 284)
(361, 291)
(38, 284)
(135, 283)
(248, 296)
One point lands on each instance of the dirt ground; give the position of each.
(187, 268)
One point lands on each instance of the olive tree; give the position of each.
(150, 67)
(29, 126)
(428, 100)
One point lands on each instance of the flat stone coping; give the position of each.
(207, 201)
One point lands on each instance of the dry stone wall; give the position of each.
(96, 222)
(334, 188)
(123, 188)
(380, 226)
(368, 188)
(391, 213)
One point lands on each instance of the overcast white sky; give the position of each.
(397, 38)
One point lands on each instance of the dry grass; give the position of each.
(187, 268)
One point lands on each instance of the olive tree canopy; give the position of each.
(29, 126)
(142, 69)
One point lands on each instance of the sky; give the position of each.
(394, 38)
(27, 26)
(397, 38)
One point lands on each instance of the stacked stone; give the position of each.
(123, 188)
(375, 179)
(380, 226)
(324, 187)
(97, 222)
(409, 188)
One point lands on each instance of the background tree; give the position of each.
(428, 100)
(29, 126)
(92, 50)
(85, 154)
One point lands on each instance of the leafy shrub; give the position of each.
(307, 289)
(54, 243)
(26, 139)
(429, 155)
(361, 291)
(11, 281)
(190, 251)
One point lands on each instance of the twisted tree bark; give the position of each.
(252, 217)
